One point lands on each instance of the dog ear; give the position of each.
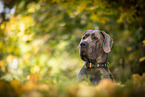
(108, 41)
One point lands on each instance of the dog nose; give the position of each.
(84, 44)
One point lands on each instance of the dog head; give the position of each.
(93, 44)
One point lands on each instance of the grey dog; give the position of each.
(93, 48)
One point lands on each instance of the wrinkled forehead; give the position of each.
(95, 32)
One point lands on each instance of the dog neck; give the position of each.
(101, 62)
(102, 58)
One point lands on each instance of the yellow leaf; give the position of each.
(143, 42)
(31, 7)
(29, 86)
(106, 85)
(93, 17)
(17, 86)
(34, 77)
(2, 26)
(136, 78)
(128, 48)
(35, 69)
(2, 66)
(54, 81)
(141, 59)
(86, 90)
(47, 82)
(9, 58)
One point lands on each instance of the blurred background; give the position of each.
(39, 38)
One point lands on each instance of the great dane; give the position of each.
(93, 48)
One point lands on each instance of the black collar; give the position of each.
(96, 65)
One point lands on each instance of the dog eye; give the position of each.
(95, 38)
(85, 36)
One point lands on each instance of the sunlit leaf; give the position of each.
(34, 77)
(141, 59)
(2, 66)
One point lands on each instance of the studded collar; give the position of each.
(96, 65)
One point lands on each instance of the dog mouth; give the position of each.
(85, 57)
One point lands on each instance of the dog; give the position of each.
(93, 49)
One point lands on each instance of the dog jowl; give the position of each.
(93, 48)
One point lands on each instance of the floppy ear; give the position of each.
(108, 41)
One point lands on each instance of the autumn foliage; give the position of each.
(39, 39)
